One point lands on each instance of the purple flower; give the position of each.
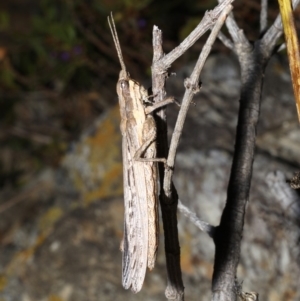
(142, 23)
(77, 50)
(64, 56)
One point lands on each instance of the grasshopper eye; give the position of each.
(124, 84)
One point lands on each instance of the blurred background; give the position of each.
(60, 163)
(59, 67)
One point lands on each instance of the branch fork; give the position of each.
(253, 59)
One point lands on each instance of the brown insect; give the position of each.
(140, 175)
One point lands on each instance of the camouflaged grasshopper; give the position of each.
(140, 175)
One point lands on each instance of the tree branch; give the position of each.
(175, 288)
(169, 197)
(192, 87)
(206, 23)
(202, 225)
(227, 42)
(275, 31)
(253, 60)
(263, 15)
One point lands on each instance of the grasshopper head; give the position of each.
(123, 75)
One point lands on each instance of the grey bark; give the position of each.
(253, 60)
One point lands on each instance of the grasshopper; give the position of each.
(140, 175)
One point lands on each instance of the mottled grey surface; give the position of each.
(61, 241)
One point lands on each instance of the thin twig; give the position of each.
(263, 15)
(175, 288)
(275, 31)
(202, 225)
(235, 32)
(206, 23)
(226, 41)
(192, 87)
(281, 47)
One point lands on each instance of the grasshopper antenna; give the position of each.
(114, 34)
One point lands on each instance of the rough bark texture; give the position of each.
(175, 289)
(229, 233)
